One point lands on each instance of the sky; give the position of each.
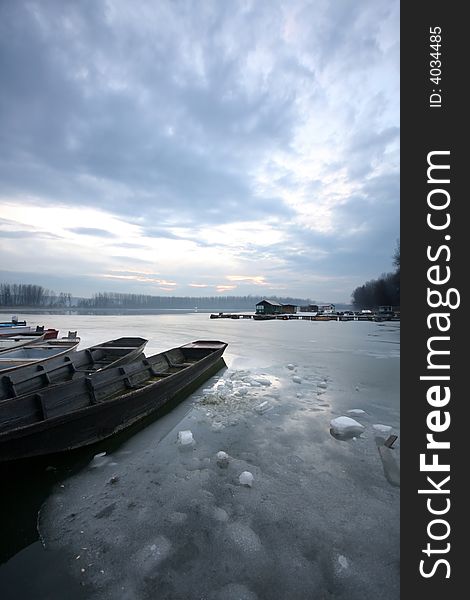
(199, 148)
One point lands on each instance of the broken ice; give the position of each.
(263, 407)
(222, 459)
(346, 426)
(185, 437)
(246, 478)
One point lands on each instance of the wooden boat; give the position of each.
(11, 329)
(67, 367)
(15, 327)
(84, 411)
(14, 321)
(9, 342)
(35, 354)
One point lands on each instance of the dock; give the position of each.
(305, 317)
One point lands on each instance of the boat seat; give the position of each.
(115, 347)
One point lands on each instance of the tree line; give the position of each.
(221, 303)
(384, 291)
(27, 294)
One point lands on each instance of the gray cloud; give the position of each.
(165, 114)
(91, 231)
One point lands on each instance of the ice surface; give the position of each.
(244, 538)
(346, 426)
(185, 437)
(179, 526)
(246, 478)
(234, 591)
(220, 514)
(150, 556)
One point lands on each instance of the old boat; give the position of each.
(11, 342)
(36, 354)
(68, 367)
(12, 328)
(87, 410)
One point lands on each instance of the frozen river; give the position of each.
(154, 519)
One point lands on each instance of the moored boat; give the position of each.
(72, 366)
(87, 410)
(36, 353)
(11, 329)
(9, 342)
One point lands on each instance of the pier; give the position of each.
(306, 317)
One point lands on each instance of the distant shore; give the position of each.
(19, 310)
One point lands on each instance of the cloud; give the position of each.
(203, 140)
(91, 231)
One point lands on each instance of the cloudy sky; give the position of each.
(205, 147)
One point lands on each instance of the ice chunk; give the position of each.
(99, 460)
(246, 478)
(263, 407)
(322, 385)
(346, 426)
(343, 562)
(222, 459)
(356, 411)
(384, 430)
(296, 379)
(185, 437)
(243, 391)
(290, 366)
(262, 381)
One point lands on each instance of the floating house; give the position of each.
(309, 308)
(327, 309)
(289, 309)
(268, 307)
